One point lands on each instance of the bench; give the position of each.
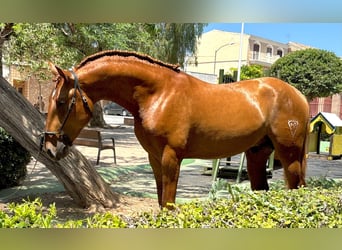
(93, 138)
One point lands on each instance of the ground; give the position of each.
(68, 210)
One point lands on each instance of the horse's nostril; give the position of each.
(50, 153)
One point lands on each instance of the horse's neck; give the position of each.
(118, 84)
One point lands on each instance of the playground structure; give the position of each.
(325, 136)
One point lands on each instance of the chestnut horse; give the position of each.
(177, 116)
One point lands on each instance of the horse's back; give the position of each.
(283, 95)
(226, 115)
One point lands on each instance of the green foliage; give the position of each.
(175, 41)
(302, 208)
(250, 71)
(29, 214)
(106, 220)
(66, 44)
(13, 161)
(316, 73)
(317, 206)
(86, 39)
(34, 44)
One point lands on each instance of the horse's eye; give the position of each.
(60, 102)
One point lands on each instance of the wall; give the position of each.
(29, 86)
(226, 56)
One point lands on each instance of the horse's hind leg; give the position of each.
(257, 157)
(293, 161)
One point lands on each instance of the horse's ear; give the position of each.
(59, 74)
(56, 70)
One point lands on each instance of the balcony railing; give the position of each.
(262, 58)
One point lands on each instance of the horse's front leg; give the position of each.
(166, 172)
(170, 165)
(157, 171)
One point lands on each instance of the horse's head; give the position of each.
(69, 111)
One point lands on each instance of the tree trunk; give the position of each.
(5, 34)
(80, 179)
(97, 120)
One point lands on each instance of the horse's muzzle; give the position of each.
(56, 152)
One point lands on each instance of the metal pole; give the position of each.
(224, 45)
(215, 61)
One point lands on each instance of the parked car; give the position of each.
(113, 108)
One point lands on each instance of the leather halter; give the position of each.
(59, 134)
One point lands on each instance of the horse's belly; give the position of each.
(205, 147)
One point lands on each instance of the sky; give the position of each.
(327, 36)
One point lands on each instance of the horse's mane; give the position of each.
(126, 54)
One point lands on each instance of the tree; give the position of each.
(315, 72)
(175, 41)
(250, 71)
(6, 30)
(87, 39)
(67, 43)
(80, 179)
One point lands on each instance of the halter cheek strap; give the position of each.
(73, 99)
(77, 87)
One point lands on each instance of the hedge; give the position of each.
(13, 161)
(317, 206)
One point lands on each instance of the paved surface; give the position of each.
(134, 176)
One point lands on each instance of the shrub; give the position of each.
(302, 208)
(29, 214)
(311, 207)
(13, 161)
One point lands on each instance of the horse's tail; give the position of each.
(304, 154)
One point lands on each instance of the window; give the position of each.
(280, 52)
(19, 85)
(256, 51)
(269, 51)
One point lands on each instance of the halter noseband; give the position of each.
(60, 135)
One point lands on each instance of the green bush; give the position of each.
(302, 208)
(316, 206)
(29, 214)
(13, 161)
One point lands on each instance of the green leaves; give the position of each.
(28, 215)
(65, 44)
(13, 161)
(316, 73)
(317, 206)
(174, 41)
